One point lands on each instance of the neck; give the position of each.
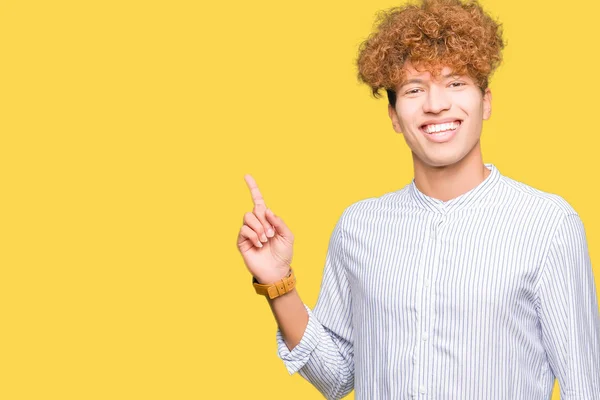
(450, 181)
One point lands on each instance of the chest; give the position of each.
(461, 265)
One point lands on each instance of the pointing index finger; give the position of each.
(256, 195)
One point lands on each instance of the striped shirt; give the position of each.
(489, 295)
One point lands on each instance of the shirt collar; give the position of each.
(468, 199)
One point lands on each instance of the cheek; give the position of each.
(470, 103)
(407, 115)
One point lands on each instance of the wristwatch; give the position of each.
(273, 290)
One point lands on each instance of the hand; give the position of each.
(269, 259)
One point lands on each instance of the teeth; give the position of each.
(441, 127)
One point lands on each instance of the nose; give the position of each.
(436, 100)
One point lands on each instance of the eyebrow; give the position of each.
(417, 80)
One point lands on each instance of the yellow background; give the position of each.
(127, 127)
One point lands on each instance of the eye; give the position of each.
(412, 91)
(457, 84)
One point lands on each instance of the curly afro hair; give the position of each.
(431, 35)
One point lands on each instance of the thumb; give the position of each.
(278, 223)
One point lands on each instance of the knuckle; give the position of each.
(249, 218)
(248, 232)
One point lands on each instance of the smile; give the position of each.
(439, 128)
(440, 133)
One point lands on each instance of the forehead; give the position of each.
(420, 74)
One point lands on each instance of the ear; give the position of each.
(487, 104)
(394, 117)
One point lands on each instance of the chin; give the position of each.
(451, 158)
(440, 162)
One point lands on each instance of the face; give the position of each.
(441, 120)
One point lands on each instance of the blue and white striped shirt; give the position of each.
(489, 295)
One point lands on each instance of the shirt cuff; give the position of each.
(298, 357)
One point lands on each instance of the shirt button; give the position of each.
(414, 359)
(425, 336)
(423, 389)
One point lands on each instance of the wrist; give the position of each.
(271, 278)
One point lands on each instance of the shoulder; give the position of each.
(524, 196)
(360, 210)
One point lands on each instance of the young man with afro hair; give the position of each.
(465, 283)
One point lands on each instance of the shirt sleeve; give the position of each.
(325, 354)
(568, 312)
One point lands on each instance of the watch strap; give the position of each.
(276, 289)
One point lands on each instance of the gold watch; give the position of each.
(283, 286)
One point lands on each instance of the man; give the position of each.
(464, 284)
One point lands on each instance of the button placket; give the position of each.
(418, 357)
(427, 304)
